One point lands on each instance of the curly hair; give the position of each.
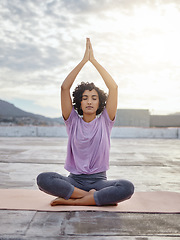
(78, 92)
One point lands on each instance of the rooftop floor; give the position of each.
(151, 164)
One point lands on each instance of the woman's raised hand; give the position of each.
(86, 54)
(91, 55)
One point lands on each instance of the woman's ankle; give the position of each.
(78, 193)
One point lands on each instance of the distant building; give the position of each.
(133, 117)
(165, 120)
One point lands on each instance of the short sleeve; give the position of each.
(72, 115)
(108, 120)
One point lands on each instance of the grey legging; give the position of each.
(107, 191)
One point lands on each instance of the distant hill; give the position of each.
(9, 110)
(11, 115)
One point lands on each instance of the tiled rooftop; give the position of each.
(151, 164)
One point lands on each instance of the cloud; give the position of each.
(137, 41)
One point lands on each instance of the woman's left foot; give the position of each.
(58, 201)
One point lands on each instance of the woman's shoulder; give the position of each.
(105, 115)
(72, 115)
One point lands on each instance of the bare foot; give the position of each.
(71, 201)
(62, 201)
(58, 201)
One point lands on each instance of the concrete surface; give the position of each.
(151, 164)
(117, 132)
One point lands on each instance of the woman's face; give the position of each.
(90, 101)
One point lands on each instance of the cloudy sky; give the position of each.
(137, 41)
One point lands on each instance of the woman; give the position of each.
(88, 144)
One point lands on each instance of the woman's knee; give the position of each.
(127, 186)
(42, 178)
(130, 187)
(46, 178)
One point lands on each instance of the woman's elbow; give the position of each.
(64, 87)
(116, 86)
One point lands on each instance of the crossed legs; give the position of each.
(69, 191)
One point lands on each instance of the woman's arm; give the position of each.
(111, 105)
(66, 102)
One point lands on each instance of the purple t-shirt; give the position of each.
(88, 143)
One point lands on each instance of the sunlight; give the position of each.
(154, 48)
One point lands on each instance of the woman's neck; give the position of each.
(89, 117)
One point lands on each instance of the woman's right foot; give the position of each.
(58, 201)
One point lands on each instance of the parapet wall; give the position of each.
(117, 132)
(137, 132)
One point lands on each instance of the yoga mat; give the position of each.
(147, 202)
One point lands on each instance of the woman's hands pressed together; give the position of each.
(91, 54)
(88, 55)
